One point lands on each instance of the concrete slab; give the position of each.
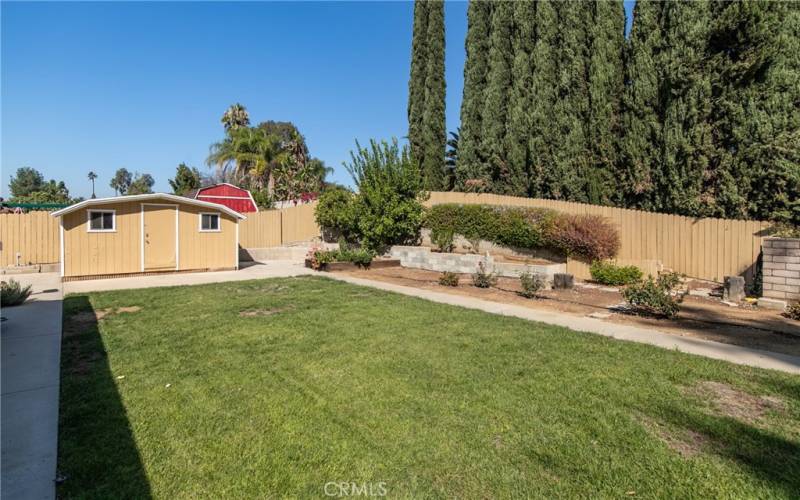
(715, 350)
(31, 349)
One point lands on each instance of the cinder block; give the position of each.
(766, 243)
(793, 267)
(766, 286)
(767, 258)
(770, 303)
(773, 251)
(766, 272)
(775, 280)
(793, 296)
(785, 258)
(786, 288)
(786, 243)
(785, 274)
(792, 252)
(793, 281)
(774, 265)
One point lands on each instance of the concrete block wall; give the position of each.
(781, 268)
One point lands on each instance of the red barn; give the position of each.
(229, 195)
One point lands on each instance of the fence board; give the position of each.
(34, 236)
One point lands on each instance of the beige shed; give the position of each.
(148, 233)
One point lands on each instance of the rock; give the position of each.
(734, 289)
(563, 281)
(600, 315)
(768, 303)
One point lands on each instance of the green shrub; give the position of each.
(361, 257)
(483, 278)
(443, 239)
(337, 214)
(13, 294)
(793, 311)
(582, 236)
(608, 273)
(448, 279)
(531, 284)
(784, 230)
(653, 297)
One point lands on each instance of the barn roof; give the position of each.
(147, 197)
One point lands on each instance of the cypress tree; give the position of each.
(416, 82)
(642, 141)
(469, 166)
(434, 131)
(544, 136)
(605, 80)
(497, 93)
(567, 179)
(518, 126)
(685, 182)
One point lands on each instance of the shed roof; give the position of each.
(147, 197)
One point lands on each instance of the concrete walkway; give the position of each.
(707, 348)
(31, 351)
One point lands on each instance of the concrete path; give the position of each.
(31, 351)
(707, 348)
(249, 271)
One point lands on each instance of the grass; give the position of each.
(273, 388)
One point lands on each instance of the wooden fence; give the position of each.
(271, 228)
(30, 238)
(704, 248)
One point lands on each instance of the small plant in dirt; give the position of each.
(608, 273)
(793, 311)
(443, 239)
(654, 296)
(483, 278)
(13, 294)
(448, 279)
(531, 283)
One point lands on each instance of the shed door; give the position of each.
(160, 237)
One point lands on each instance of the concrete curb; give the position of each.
(700, 347)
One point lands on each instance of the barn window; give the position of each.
(209, 222)
(102, 221)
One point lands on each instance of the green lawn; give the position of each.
(328, 382)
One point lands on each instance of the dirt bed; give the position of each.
(699, 317)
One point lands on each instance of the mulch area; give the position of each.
(699, 317)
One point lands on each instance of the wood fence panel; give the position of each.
(34, 236)
(299, 224)
(700, 248)
(260, 229)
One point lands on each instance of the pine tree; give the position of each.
(685, 182)
(518, 126)
(434, 129)
(470, 174)
(605, 80)
(642, 139)
(544, 136)
(569, 175)
(416, 82)
(497, 92)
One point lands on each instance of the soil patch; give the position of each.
(254, 313)
(699, 317)
(732, 402)
(79, 322)
(686, 442)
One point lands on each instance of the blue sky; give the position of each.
(98, 86)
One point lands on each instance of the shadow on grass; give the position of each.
(757, 451)
(97, 451)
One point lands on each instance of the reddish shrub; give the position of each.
(589, 237)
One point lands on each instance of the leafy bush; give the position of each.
(13, 294)
(784, 230)
(653, 297)
(531, 284)
(583, 236)
(443, 239)
(608, 273)
(448, 279)
(337, 213)
(358, 256)
(793, 311)
(482, 278)
(388, 208)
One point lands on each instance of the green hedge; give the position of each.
(588, 237)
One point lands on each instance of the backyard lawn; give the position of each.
(275, 388)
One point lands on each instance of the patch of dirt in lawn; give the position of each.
(699, 317)
(686, 442)
(79, 322)
(255, 313)
(732, 402)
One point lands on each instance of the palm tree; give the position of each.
(250, 155)
(235, 117)
(92, 176)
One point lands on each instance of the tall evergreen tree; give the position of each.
(642, 138)
(518, 124)
(544, 137)
(470, 174)
(605, 79)
(686, 179)
(416, 82)
(497, 93)
(570, 173)
(434, 127)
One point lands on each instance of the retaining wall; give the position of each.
(781, 268)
